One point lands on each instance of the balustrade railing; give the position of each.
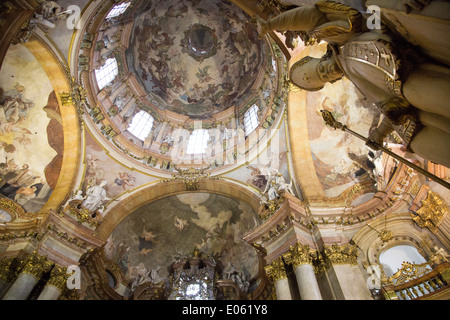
(418, 282)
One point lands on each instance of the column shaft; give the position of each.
(21, 288)
(282, 289)
(49, 293)
(307, 282)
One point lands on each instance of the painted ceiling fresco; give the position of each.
(100, 167)
(271, 160)
(150, 239)
(31, 134)
(351, 161)
(195, 57)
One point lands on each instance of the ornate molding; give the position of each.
(11, 236)
(83, 215)
(36, 265)
(299, 255)
(276, 270)
(8, 269)
(191, 177)
(58, 277)
(431, 213)
(12, 208)
(77, 95)
(344, 254)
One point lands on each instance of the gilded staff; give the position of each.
(329, 120)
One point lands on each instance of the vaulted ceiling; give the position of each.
(190, 64)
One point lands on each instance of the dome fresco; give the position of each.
(195, 58)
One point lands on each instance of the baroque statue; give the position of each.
(95, 196)
(409, 88)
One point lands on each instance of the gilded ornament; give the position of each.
(299, 255)
(344, 254)
(77, 95)
(190, 177)
(410, 271)
(58, 277)
(7, 269)
(83, 215)
(276, 270)
(36, 265)
(386, 235)
(272, 4)
(270, 207)
(431, 213)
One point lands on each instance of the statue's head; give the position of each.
(311, 74)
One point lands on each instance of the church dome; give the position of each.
(183, 83)
(195, 58)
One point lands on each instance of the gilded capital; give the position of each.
(299, 254)
(6, 269)
(58, 277)
(276, 271)
(36, 265)
(344, 254)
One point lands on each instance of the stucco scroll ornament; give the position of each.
(191, 177)
(276, 270)
(431, 213)
(36, 265)
(344, 254)
(77, 95)
(410, 271)
(299, 255)
(58, 277)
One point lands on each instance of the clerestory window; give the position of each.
(141, 125)
(198, 141)
(106, 73)
(118, 9)
(251, 119)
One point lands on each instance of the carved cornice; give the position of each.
(290, 221)
(24, 234)
(191, 178)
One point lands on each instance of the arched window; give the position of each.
(118, 9)
(392, 259)
(251, 119)
(5, 216)
(198, 141)
(106, 73)
(141, 125)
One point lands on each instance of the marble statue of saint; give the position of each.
(95, 196)
(410, 89)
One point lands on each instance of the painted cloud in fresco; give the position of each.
(198, 57)
(31, 136)
(154, 235)
(350, 161)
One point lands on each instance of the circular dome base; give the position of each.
(195, 58)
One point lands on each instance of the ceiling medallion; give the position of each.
(200, 42)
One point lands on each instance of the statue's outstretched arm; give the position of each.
(299, 19)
